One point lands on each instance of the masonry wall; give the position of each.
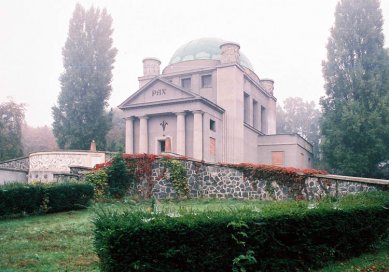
(215, 181)
(14, 170)
(16, 164)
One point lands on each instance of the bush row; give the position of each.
(280, 237)
(43, 198)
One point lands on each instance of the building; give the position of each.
(208, 104)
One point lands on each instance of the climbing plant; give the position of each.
(177, 175)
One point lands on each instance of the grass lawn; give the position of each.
(64, 241)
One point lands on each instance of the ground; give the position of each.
(64, 241)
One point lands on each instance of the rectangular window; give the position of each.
(186, 83)
(255, 114)
(212, 125)
(206, 81)
(246, 106)
(277, 158)
(212, 146)
(263, 120)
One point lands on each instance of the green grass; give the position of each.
(64, 241)
(54, 242)
(377, 261)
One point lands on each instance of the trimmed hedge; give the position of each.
(43, 198)
(281, 237)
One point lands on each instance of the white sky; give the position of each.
(285, 40)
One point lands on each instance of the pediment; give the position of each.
(156, 91)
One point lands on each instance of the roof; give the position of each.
(204, 48)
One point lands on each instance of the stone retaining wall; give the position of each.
(215, 181)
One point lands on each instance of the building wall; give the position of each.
(156, 132)
(230, 98)
(43, 165)
(292, 145)
(11, 176)
(250, 145)
(216, 135)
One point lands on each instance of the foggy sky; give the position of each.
(284, 40)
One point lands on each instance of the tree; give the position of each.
(118, 177)
(356, 106)
(299, 116)
(35, 139)
(11, 120)
(88, 58)
(115, 136)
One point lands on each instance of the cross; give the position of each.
(164, 124)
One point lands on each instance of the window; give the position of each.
(212, 125)
(255, 114)
(246, 106)
(206, 81)
(186, 83)
(263, 120)
(277, 158)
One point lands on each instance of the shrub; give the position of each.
(18, 198)
(99, 180)
(118, 178)
(68, 196)
(43, 198)
(281, 237)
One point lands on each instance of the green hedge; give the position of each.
(281, 237)
(43, 198)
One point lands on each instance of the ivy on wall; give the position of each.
(178, 176)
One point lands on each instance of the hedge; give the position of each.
(43, 198)
(280, 237)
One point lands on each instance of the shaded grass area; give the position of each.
(377, 261)
(64, 241)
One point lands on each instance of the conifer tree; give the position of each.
(356, 106)
(11, 121)
(88, 58)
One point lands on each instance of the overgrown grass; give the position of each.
(64, 241)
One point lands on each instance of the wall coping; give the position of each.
(355, 179)
(15, 159)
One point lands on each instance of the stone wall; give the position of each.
(54, 166)
(16, 164)
(215, 181)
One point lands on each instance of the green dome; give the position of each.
(205, 48)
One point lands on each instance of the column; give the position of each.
(198, 135)
(143, 135)
(130, 135)
(181, 133)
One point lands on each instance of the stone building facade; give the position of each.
(208, 104)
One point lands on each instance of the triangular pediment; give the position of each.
(157, 90)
